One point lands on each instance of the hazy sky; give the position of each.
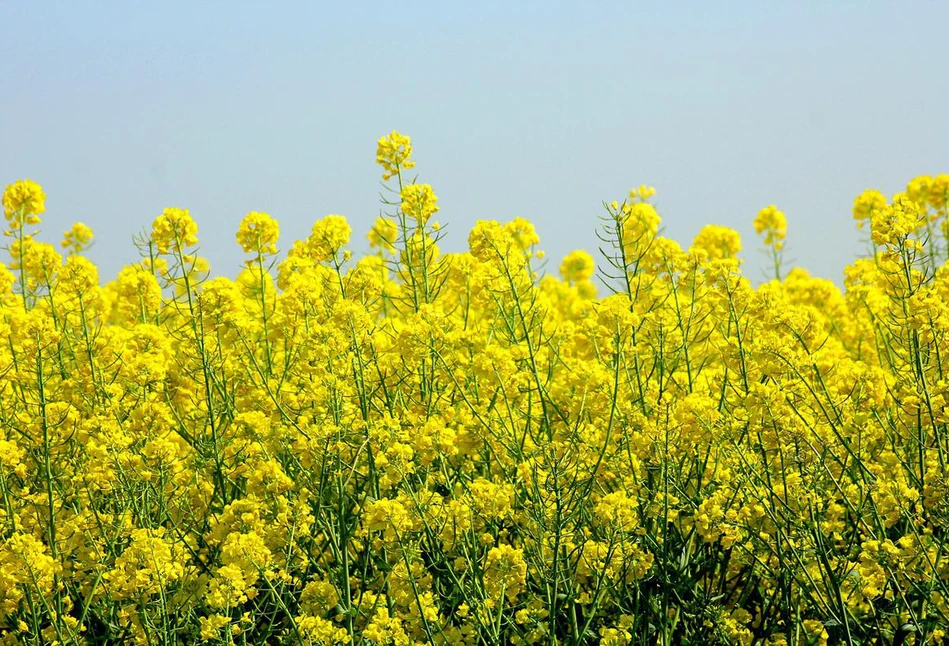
(533, 109)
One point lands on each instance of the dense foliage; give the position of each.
(416, 447)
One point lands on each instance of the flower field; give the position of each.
(419, 447)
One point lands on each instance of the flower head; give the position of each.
(394, 154)
(174, 230)
(772, 224)
(866, 203)
(258, 233)
(77, 238)
(419, 202)
(892, 224)
(577, 266)
(383, 234)
(327, 238)
(23, 203)
(719, 243)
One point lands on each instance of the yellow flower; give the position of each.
(40, 262)
(523, 233)
(641, 193)
(136, 294)
(388, 516)
(394, 154)
(639, 224)
(717, 243)
(77, 238)
(318, 598)
(258, 233)
(492, 501)
(918, 189)
(147, 566)
(317, 630)
(23, 203)
(25, 564)
(386, 629)
(617, 511)
(894, 223)
(419, 202)
(211, 626)
(938, 194)
(327, 239)
(11, 457)
(79, 276)
(771, 223)
(866, 204)
(577, 267)
(174, 231)
(505, 572)
(383, 234)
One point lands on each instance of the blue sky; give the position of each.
(534, 109)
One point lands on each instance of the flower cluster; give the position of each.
(23, 203)
(394, 154)
(772, 224)
(258, 233)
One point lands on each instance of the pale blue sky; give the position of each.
(533, 109)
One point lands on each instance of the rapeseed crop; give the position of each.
(420, 447)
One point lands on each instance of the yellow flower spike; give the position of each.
(383, 234)
(258, 233)
(77, 238)
(771, 223)
(866, 204)
(938, 194)
(505, 573)
(893, 224)
(577, 267)
(718, 243)
(918, 189)
(23, 203)
(327, 238)
(394, 154)
(641, 193)
(640, 224)
(174, 231)
(419, 202)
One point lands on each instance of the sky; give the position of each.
(542, 110)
